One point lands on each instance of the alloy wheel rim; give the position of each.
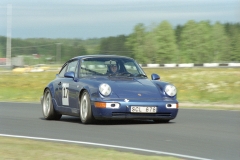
(84, 107)
(46, 103)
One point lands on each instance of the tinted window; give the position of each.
(72, 66)
(102, 65)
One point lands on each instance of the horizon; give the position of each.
(93, 19)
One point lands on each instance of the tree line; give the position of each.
(193, 42)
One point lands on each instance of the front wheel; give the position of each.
(48, 110)
(85, 109)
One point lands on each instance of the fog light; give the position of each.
(172, 106)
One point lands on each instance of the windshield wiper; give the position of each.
(141, 75)
(93, 72)
(110, 75)
(124, 73)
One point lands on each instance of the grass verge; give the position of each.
(25, 149)
(195, 85)
(203, 85)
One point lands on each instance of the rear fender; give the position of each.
(50, 87)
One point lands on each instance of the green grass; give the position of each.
(25, 149)
(203, 85)
(196, 85)
(24, 86)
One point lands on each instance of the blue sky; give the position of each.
(94, 19)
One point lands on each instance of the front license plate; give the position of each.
(140, 109)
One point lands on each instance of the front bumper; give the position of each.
(124, 111)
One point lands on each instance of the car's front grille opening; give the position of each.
(118, 114)
(141, 114)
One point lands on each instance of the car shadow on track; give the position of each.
(127, 122)
(71, 119)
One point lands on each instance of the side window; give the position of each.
(61, 73)
(72, 66)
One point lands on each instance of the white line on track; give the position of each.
(107, 145)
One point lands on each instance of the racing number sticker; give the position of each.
(65, 94)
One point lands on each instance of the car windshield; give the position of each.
(110, 66)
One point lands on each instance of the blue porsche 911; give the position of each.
(96, 87)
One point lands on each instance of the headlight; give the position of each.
(105, 89)
(170, 90)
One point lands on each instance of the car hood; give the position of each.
(134, 88)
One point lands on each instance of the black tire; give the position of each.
(85, 109)
(47, 107)
(161, 121)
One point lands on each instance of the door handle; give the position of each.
(60, 83)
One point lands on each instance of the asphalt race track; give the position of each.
(204, 134)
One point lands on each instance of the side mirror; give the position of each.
(69, 74)
(155, 76)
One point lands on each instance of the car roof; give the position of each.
(100, 56)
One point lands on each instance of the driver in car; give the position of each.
(114, 68)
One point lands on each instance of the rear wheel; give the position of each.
(85, 109)
(48, 110)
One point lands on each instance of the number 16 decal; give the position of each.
(65, 94)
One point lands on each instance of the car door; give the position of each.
(58, 85)
(68, 88)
